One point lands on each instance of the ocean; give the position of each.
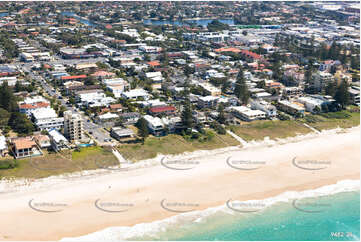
(327, 213)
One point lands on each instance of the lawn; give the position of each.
(342, 119)
(258, 130)
(172, 144)
(60, 163)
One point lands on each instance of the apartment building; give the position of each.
(73, 126)
(47, 119)
(291, 107)
(247, 114)
(33, 103)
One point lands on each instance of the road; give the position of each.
(96, 131)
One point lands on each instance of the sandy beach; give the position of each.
(124, 198)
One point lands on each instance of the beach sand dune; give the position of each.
(125, 198)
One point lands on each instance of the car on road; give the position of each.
(60, 97)
(90, 132)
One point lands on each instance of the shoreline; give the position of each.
(210, 184)
(129, 232)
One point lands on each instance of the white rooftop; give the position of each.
(44, 113)
(57, 136)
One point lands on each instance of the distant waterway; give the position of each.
(203, 22)
(82, 20)
(3, 14)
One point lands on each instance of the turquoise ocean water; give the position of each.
(327, 213)
(337, 218)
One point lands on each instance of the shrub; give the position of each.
(8, 164)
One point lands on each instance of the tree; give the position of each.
(142, 129)
(355, 62)
(216, 25)
(89, 80)
(4, 117)
(187, 118)
(241, 89)
(276, 71)
(225, 86)
(7, 98)
(330, 88)
(221, 118)
(316, 110)
(188, 70)
(342, 95)
(21, 124)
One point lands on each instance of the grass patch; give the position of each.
(172, 144)
(60, 163)
(343, 119)
(258, 130)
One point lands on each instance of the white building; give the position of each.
(117, 86)
(11, 80)
(47, 119)
(247, 114)
(155, 125)
(155, 76)
(207, 102)
(3, 146)
(58, 141)
(107, 117)
(150, 49)
(264, 106)
(210, 89)
(136, 93)
(94, 98)
(311, 103)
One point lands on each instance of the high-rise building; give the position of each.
(73, 126)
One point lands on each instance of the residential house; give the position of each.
(58, 141)
(107, 117)
(130, 118)
(264, 106)
(135, 94)
(25, 147)
(210, 89)
(292, 91)
(207, 102)
(119, 133)
(32, 103)
(43, 141)
(155, 125)
(162, 110)
(313, 101)
(354, 93)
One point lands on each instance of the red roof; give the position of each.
(153, 63)
(33, 105)
(162, 109)
(251, 54)
(230, 49)
(73, 77)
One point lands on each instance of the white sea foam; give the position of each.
(153, 228)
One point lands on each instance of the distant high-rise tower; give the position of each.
(73, 126)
